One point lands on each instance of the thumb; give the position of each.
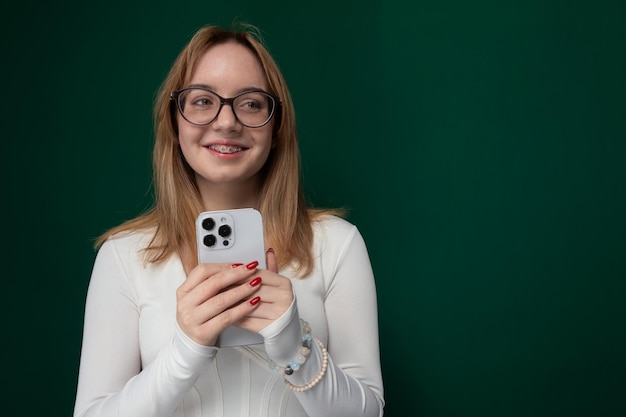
(270, 258)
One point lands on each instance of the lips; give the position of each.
(226, 148)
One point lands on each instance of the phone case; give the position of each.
(232, 236)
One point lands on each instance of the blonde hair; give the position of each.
(287, 218)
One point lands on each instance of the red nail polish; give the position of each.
(235, 265)
(255, 282)
(252, 265)
(255, 301)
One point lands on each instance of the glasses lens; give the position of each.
(198, 106)
(254, 108)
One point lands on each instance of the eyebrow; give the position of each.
(241, 90)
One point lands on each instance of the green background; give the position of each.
(480, 147)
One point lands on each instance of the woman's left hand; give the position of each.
(276, 296)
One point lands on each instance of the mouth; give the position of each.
(226, 149)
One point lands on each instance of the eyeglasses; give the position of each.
(200, 106)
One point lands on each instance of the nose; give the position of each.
(226, 119)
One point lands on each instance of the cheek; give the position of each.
(188, 139)
(265, 138)
(188, 133)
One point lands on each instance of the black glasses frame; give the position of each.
(276, 104)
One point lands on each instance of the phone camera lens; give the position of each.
(225, 243)
(208, 223)
(209, 240)
(224, 230)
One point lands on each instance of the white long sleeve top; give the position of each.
(136, 362)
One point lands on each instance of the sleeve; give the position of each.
(352, 384)
(111, 381)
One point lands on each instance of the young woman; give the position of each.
(226, 138)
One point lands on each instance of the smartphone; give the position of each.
(232, 236)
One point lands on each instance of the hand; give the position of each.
(215, 296)
(276, 296)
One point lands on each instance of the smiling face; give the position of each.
(227, 156)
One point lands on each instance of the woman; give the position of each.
(226, 138)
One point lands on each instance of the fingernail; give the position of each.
(235, 265)
(255, 282)
(252, 265)
(271, 250)
(255, 301)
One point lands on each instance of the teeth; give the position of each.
(225, 148)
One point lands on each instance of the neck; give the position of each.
(229, 195)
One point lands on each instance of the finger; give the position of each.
(207, 280)
(206, 332)
(200, 273)
(225, 300)
(233, 315)
(271, 260)
(279, 296)
(262, 316)
(192, 313)
(273, 279)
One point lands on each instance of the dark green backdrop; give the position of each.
(480, 146)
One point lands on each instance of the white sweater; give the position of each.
(136, 362)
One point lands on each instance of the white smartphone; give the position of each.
(232, 236)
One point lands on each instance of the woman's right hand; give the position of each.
(215, 296)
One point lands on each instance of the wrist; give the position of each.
(283, 337)
(300, 357)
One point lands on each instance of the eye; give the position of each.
(202, 101)
(252, 105)
(200, 98)
(252, 102)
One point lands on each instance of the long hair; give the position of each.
(287, 218)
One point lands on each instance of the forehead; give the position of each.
(229, 67)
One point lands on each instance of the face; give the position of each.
(226, 155)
